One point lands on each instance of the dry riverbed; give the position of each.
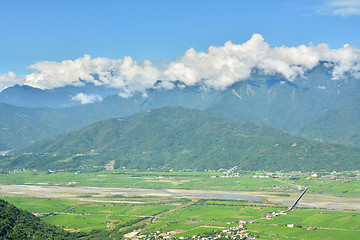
(98, 194)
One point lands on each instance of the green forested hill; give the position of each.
(340, 125)
(314, 107)
(17, 224)
(19, 127)
(179, 138)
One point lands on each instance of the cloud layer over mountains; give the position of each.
(218, 68)
(9, 79)
(87, 98)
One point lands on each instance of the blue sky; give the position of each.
(48, 44)
(33, 31)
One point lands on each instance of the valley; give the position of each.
(201, 120)
(183, 204)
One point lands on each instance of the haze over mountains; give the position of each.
(178, 138)
(307, 91)
(69, 96)
(315, 106)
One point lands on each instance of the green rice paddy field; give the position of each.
(343, 185)
(188, 217)
(196, 217)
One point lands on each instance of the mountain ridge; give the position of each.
(20, 224)
(174, 137)
(269, 100)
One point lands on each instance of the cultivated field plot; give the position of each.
(195, 217)
(280, 232)
(170, 205)
(340, 184)
(86, 216)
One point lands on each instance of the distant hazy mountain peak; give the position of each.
(217, 68)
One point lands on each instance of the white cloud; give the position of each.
(341, 7)
(85, 99)
(218, 68)
(9, 79)
(222, 66)
(119, 73)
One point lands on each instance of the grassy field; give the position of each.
(319, 218)
(84, 215)
(220, 213)
(79, 222)
(195, 218)
(116, 209)
(42, 205)
(346, 184)
(188, 217)
(172, 224)
(279, 232)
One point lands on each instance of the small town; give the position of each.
(238, 232)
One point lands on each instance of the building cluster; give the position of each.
(274, 214)
(238, 232)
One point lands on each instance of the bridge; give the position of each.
(297, 200)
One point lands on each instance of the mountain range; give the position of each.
(30, 97)
(314, 107)
(179, 138)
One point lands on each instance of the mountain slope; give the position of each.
(340, 125)
(267, 100)
(27, 96)
(285, 105)
(296, 107)
(179, 138)
(20, 127)
(18, 224)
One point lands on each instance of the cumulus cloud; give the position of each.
(341, 8)
(217, 68)
(119, 73)
(222, 66)
(9, 79)
(85, 99)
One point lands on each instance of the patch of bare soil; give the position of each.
(96, 193)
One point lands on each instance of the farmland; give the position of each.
(184, 204)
